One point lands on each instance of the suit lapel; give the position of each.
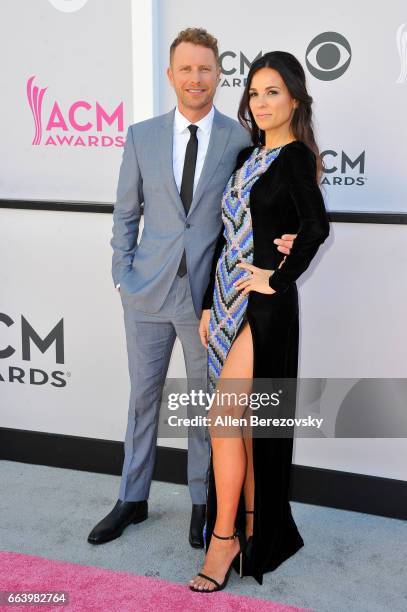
(165, 142)
(216, 147)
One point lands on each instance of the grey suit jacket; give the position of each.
(148, 269)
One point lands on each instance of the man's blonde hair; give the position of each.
(196, 36)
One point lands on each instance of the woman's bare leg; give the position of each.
(229, 465)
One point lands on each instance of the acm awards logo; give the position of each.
(75, 124)
(234, 66)
(338, 165)
(54, 340)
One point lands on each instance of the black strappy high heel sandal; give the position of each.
(219, 587)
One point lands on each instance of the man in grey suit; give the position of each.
(177, 165)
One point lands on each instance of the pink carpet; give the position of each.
(95, 589)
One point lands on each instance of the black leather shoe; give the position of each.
(113, 525)
(197, 525)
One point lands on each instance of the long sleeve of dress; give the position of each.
(314, 226)
(208, 297)
(221, 241)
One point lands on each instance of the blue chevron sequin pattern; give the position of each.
(229, 306)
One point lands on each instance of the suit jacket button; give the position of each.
(188, 225)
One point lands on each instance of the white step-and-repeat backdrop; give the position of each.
(79, 73)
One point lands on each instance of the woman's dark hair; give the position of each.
(293, 76)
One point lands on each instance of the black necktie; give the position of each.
(187, 183)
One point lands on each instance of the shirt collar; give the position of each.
(181, 123)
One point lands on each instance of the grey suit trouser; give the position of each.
(150, 340)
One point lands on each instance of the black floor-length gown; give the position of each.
(282, 198)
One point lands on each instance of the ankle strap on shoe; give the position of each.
(249, 511)
(232, 537)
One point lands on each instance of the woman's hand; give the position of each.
(204, 327)
(258, 280)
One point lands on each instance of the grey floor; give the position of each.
(350, 561)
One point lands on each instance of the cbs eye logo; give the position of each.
(328, 56)
(68, 6)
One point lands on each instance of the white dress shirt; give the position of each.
(181, 135)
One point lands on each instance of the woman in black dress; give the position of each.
(250, 318)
